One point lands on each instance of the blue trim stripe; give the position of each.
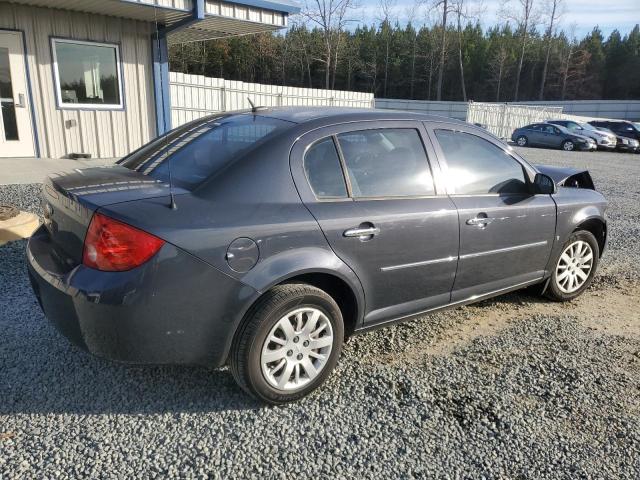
(161, 81)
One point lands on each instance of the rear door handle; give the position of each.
(479, 221)
(361, 232)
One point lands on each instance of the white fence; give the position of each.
(446, 109)
(193, 96)
(502, 119)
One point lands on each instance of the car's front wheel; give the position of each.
(522, 141)
(288, 344)
(568, 146)
(575, 267)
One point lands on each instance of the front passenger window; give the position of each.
(477, 166)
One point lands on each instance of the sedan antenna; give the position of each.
(254, 109)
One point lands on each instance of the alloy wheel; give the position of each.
(297, 349)
(568, 146)
(522, 141)
(574, 266)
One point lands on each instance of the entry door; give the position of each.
(506, 232)
(388, 223)
(16, 132)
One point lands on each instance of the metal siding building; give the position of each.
(43, 117)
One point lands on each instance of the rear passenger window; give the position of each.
(476, 166)
(322, 165)
(386, 163)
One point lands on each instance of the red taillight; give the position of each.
(114, 246)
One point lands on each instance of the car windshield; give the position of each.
(198, 149)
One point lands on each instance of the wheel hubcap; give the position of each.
(574, 266)
(568, 146)
(297, 349)
(522, 142)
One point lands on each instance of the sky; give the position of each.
(582, 15)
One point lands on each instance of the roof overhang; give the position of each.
(188, 20)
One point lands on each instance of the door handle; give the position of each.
(479, 221)
(361, 232)
(21, 103)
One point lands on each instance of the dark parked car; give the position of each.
(604, 140)
(553, 136)
(619, 127)
(294, 228)
(623, 144)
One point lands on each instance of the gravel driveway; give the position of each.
(515, 387)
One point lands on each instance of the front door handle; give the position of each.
(361, 232)
(479, 221)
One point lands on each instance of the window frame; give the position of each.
(304, 140)
(528, 171)
(347, 183)
(56, 76)
(385, 197)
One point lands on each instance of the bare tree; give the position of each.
(331, 17)
(446, 7)
(462, 11)
(524, 18)
(386, 7)
(497, 67)
(555, 9)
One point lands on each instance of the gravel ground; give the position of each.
(515, 387)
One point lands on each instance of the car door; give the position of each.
(387, 218)
(536, 137)
(552, 136)
(506, 233)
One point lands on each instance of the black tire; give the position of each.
(553, 291)
(522, 141)
(568, 146)
(245, 357)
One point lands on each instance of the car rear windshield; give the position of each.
(197, 150)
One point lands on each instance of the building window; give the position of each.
(87, 74)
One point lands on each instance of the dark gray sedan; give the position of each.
(263, 238)
(551, 136)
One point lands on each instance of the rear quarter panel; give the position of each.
(255, 198)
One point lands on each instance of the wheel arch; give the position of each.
(597, 226)
(315, 266)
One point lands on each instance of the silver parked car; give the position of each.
(604, 140)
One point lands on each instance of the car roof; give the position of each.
(331, 115)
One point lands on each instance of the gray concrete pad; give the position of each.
(34, 170)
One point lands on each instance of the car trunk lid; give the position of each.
(69, 202)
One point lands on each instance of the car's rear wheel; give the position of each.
(575, 267)
(568, 146)
(522, 141)
(288, 344)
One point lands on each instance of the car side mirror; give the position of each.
(544, 184)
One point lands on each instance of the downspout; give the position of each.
(160, 56)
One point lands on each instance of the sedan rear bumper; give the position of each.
(174, 309)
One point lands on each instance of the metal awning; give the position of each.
(221, 19)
